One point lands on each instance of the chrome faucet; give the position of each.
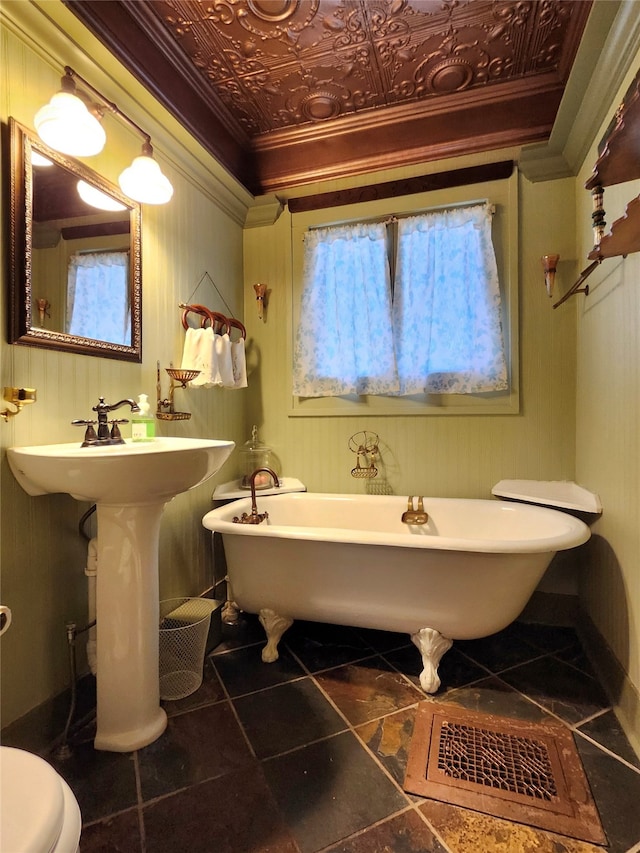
(414, 516)
(104, 435)
(256, 517)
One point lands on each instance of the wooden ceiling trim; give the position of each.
(423, 139)
(392, 189)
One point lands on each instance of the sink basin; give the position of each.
(130, 484)
(121, 473)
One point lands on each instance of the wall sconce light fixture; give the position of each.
(261, 298)
(549, 265)
(43, 310)
(70, 123)
(18, 397)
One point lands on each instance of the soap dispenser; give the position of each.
(143, 425)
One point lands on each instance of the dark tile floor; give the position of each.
(308, 754)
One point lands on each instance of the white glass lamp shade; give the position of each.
(66, 125)
(96, 198)
(143, 181)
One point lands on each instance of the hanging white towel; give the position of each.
(224, 375)
(220, 360)
(199, 354)
(189, 350)
(239, 364)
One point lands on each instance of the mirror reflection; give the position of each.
(76, 255)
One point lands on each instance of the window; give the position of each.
(440, 332)
(98, 304)
(504, 196)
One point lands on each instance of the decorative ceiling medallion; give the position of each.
(450, 75)
(320, 106)
(273, 10)
(278, 21)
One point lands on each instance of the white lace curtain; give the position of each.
(345, 341)
(98, 304)
(442, 331)
(446, 310)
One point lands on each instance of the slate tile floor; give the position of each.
(308, 754)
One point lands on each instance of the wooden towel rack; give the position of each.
(215, 319)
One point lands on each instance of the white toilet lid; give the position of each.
(34, 802)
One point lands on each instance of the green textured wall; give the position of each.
(608, 438)
(43, 556)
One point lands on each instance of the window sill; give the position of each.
(432, 404)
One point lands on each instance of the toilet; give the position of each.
(39, 811)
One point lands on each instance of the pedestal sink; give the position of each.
(130, 484)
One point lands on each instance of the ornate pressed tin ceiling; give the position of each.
(287, 92)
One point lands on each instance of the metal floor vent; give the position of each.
(526, 772)
(510, 763)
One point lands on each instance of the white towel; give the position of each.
(199, 354)
(190, 349)
(239, 364)
(224, 365)
(220, 360)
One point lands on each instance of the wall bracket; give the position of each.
(577, 286)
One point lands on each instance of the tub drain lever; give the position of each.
(415, 516)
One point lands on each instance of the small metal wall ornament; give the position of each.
(365, 446)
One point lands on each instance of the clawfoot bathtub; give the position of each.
(350, 560)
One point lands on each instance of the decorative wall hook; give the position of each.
(549, 265)
(261, 298)
(18, 397)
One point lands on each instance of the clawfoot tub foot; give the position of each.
(432, 645)
(230, 613)
(274, 626)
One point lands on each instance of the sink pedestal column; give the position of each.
(129, 715)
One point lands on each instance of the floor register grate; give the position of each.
(525, 772)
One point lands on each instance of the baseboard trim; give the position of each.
(623, 694)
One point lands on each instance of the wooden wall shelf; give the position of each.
(624, 237)
(618, 162)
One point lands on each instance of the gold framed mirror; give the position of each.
(75, 281)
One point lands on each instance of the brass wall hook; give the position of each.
(18, 397)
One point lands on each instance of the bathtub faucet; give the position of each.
(256, 517)
(415, 516)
